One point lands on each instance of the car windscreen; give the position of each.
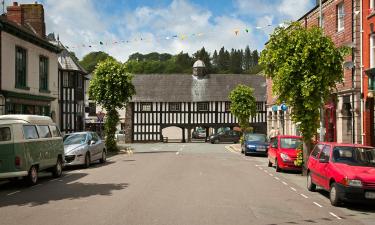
(354, 156)
(256, 137)
(73, 139)
(291, 143)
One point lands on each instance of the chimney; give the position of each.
(14, 13)
(33, 17)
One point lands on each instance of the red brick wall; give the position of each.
(14, 13)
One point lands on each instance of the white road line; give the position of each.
(304, 196)
(277, 178)
(334, 215)
(270, 174)
(318, 204)
(54, 179)
(260, 168)
(177, 153)
(285, 183)
(293, 188)
(12, 193)
(265, 171)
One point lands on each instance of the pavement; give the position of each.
(176, 184)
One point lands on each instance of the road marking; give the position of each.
(285, 183)
(177, 153)
(304, 196)
(318, 204)
(270, 174)
(54, 179)
(334, 215)
(277, 178)
(293, 188)
(12, 193)
(265, 171)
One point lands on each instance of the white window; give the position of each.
(340, 16)
(44, 132)
(29, 132)
(146, 107)
(372, 51)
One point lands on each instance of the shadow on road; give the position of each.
(66, 188)
(92, 166)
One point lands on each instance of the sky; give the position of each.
(128, 26)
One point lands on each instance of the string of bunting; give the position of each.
(181, 37)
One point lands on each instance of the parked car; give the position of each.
(255, 143)
(226, 136)
(120, 135)
(199, 134)
(83, 148)
(29, 144)
(347, 171)
(282, 152)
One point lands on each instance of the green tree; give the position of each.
(90, 60)
(247, 58)
(243, 105)
(304, 66)
(215, 61)
(112, 88)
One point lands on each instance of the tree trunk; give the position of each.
(110, 129)
(306, 153)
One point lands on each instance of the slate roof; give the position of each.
(187, 88)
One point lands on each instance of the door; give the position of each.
(97, 146)
(321, 167)
(33, 147)
(47, 144)
(313, 161)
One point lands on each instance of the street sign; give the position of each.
(100, 115)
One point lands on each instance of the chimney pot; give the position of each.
(15, 3)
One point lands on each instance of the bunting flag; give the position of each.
(182, 37)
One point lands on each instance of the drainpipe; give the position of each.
(354, 30)
(362, 97)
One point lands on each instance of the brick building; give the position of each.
(368, 79)
(341, 22)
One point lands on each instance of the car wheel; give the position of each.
(217, 141)
(242, 150)
(269, 163)
(278, 169)
(310, 185)
(57, 170)
(32, 177)
(104, 157)
(87, 160)
(334, 195)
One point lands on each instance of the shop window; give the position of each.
(227, 106)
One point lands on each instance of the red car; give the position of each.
(282, 152)
(347, 171)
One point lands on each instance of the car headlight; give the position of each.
(285, 157)
(352, 183)
(251, 146)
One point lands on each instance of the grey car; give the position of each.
(83, 148)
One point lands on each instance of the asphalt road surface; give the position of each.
(174, 184)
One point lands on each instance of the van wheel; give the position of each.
(87, 160)
(278, 169)
(57, 170)
(334, 195)
(104, 157)
(32, 177)
(310, 185)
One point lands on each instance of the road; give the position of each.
(174, 184)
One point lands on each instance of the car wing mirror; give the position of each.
(92, 142)
(323, 160)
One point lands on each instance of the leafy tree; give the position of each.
(90, 60)
(112, 88)
(215, 61)
(247, 58)
(304, 66)
(243, 105)
(255, 58)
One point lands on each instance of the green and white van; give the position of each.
(29, 144)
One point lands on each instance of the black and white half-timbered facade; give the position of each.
(71, 91)
(188, 101)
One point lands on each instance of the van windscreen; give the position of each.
(5, 134)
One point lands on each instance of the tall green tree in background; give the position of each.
(90, 60)
(112, 88)
(304, 66)
(243, 105)
(247, 58)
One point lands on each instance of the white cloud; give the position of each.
(294, 8)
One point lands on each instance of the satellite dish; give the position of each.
(348, 65)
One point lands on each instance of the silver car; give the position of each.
(82, 148)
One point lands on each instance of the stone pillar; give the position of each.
(183, 135)
(129, 123)
(189, 135)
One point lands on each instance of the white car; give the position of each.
(83, 148)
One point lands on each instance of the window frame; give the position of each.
(39, 131)
(174, 106)
(318, 148)
(372, 5)
(10, 135)
(328, 148)
(58, 133)
(227, 106)
(21, 73)
(43, 73)
(340, 16)
(203, 106)
(36, 130)
(144, 105)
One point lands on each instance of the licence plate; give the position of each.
(261, 149)
(370, 195)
